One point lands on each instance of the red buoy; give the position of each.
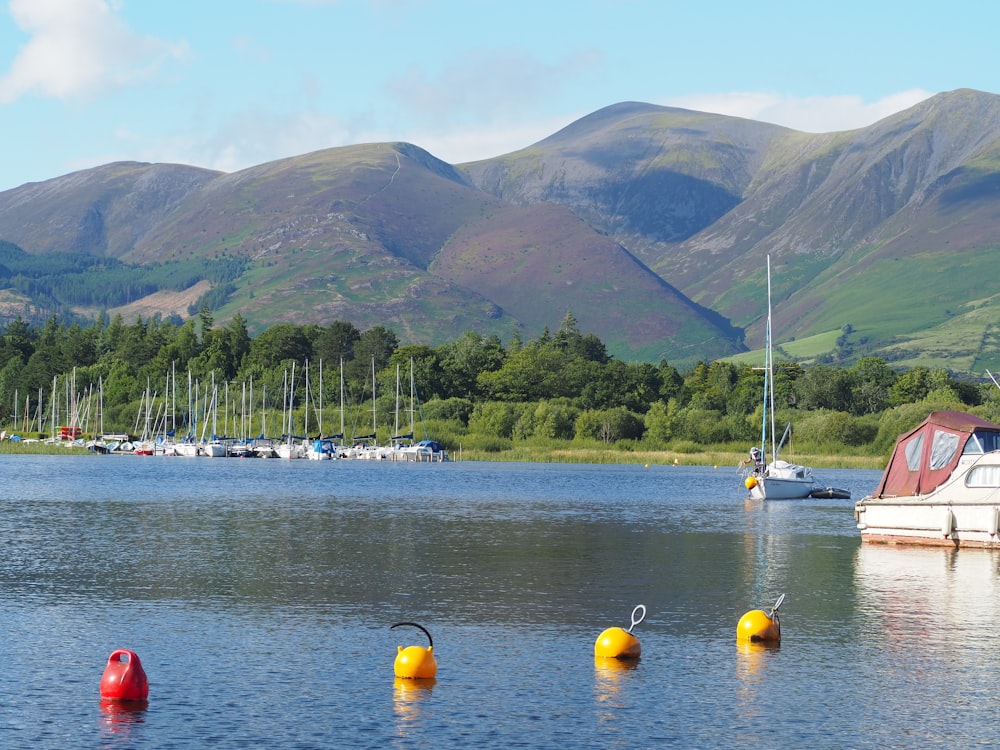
(124, 678)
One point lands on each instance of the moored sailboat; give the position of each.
(775, 479)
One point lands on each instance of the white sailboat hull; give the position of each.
(215, 450)
(783, 481)
(289, 450)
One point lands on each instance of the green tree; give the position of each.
(81, 345)
(373, 348)
(826, 387)
(609, 425)
(710, 385)
(873, 381)
(18, 340)
(280, 343)
(658, 424)
(336, 343)
(425, 367)
(206, 320)
(555, 419)
(523, 376)
(463, 359)
(449, 409)
(911, 386)
(494, 418)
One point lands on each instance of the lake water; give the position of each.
(259, 595)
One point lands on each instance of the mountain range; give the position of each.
(652, 225)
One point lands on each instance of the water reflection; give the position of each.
(927, 623)
(606, 666)
(610, 699)
(121, 720)
(410, 697)
(939, 595)
(751, 659)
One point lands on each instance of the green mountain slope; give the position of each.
(650, 224)
(358, 234)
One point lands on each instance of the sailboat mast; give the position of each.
(291, 399)
(770, 363)
(320, 426)
(396, 426)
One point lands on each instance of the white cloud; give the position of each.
(247, 139)
(816, 114)
(78, 48)
(485, 84)
(483, 142)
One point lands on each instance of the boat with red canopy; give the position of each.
(940, 487)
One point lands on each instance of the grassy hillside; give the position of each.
(651, 224)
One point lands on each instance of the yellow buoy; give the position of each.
(750, 482)
(415, 662)
(758, 626)
(618, 643)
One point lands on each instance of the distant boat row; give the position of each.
(161, 429)
(317, 449)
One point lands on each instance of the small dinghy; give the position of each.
(831, 493)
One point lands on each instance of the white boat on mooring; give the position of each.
(775, 479)
(941, 486)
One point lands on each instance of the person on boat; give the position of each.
(756, 459)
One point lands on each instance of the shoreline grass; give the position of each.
(655, 458)
(534, 454)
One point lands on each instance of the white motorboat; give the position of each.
(941, 486)
(321, 450)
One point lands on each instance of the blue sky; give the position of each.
(227, 84)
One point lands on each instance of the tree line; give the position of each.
(475, 391)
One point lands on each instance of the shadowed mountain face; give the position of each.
(650, 224)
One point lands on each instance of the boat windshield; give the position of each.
(982, 441)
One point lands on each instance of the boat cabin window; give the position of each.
(914, 449)
(983, 442)
(943, 449)
(983, 476)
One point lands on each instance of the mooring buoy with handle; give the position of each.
(758, 626)
(415, 662)
(124, 679)
(618, 643)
